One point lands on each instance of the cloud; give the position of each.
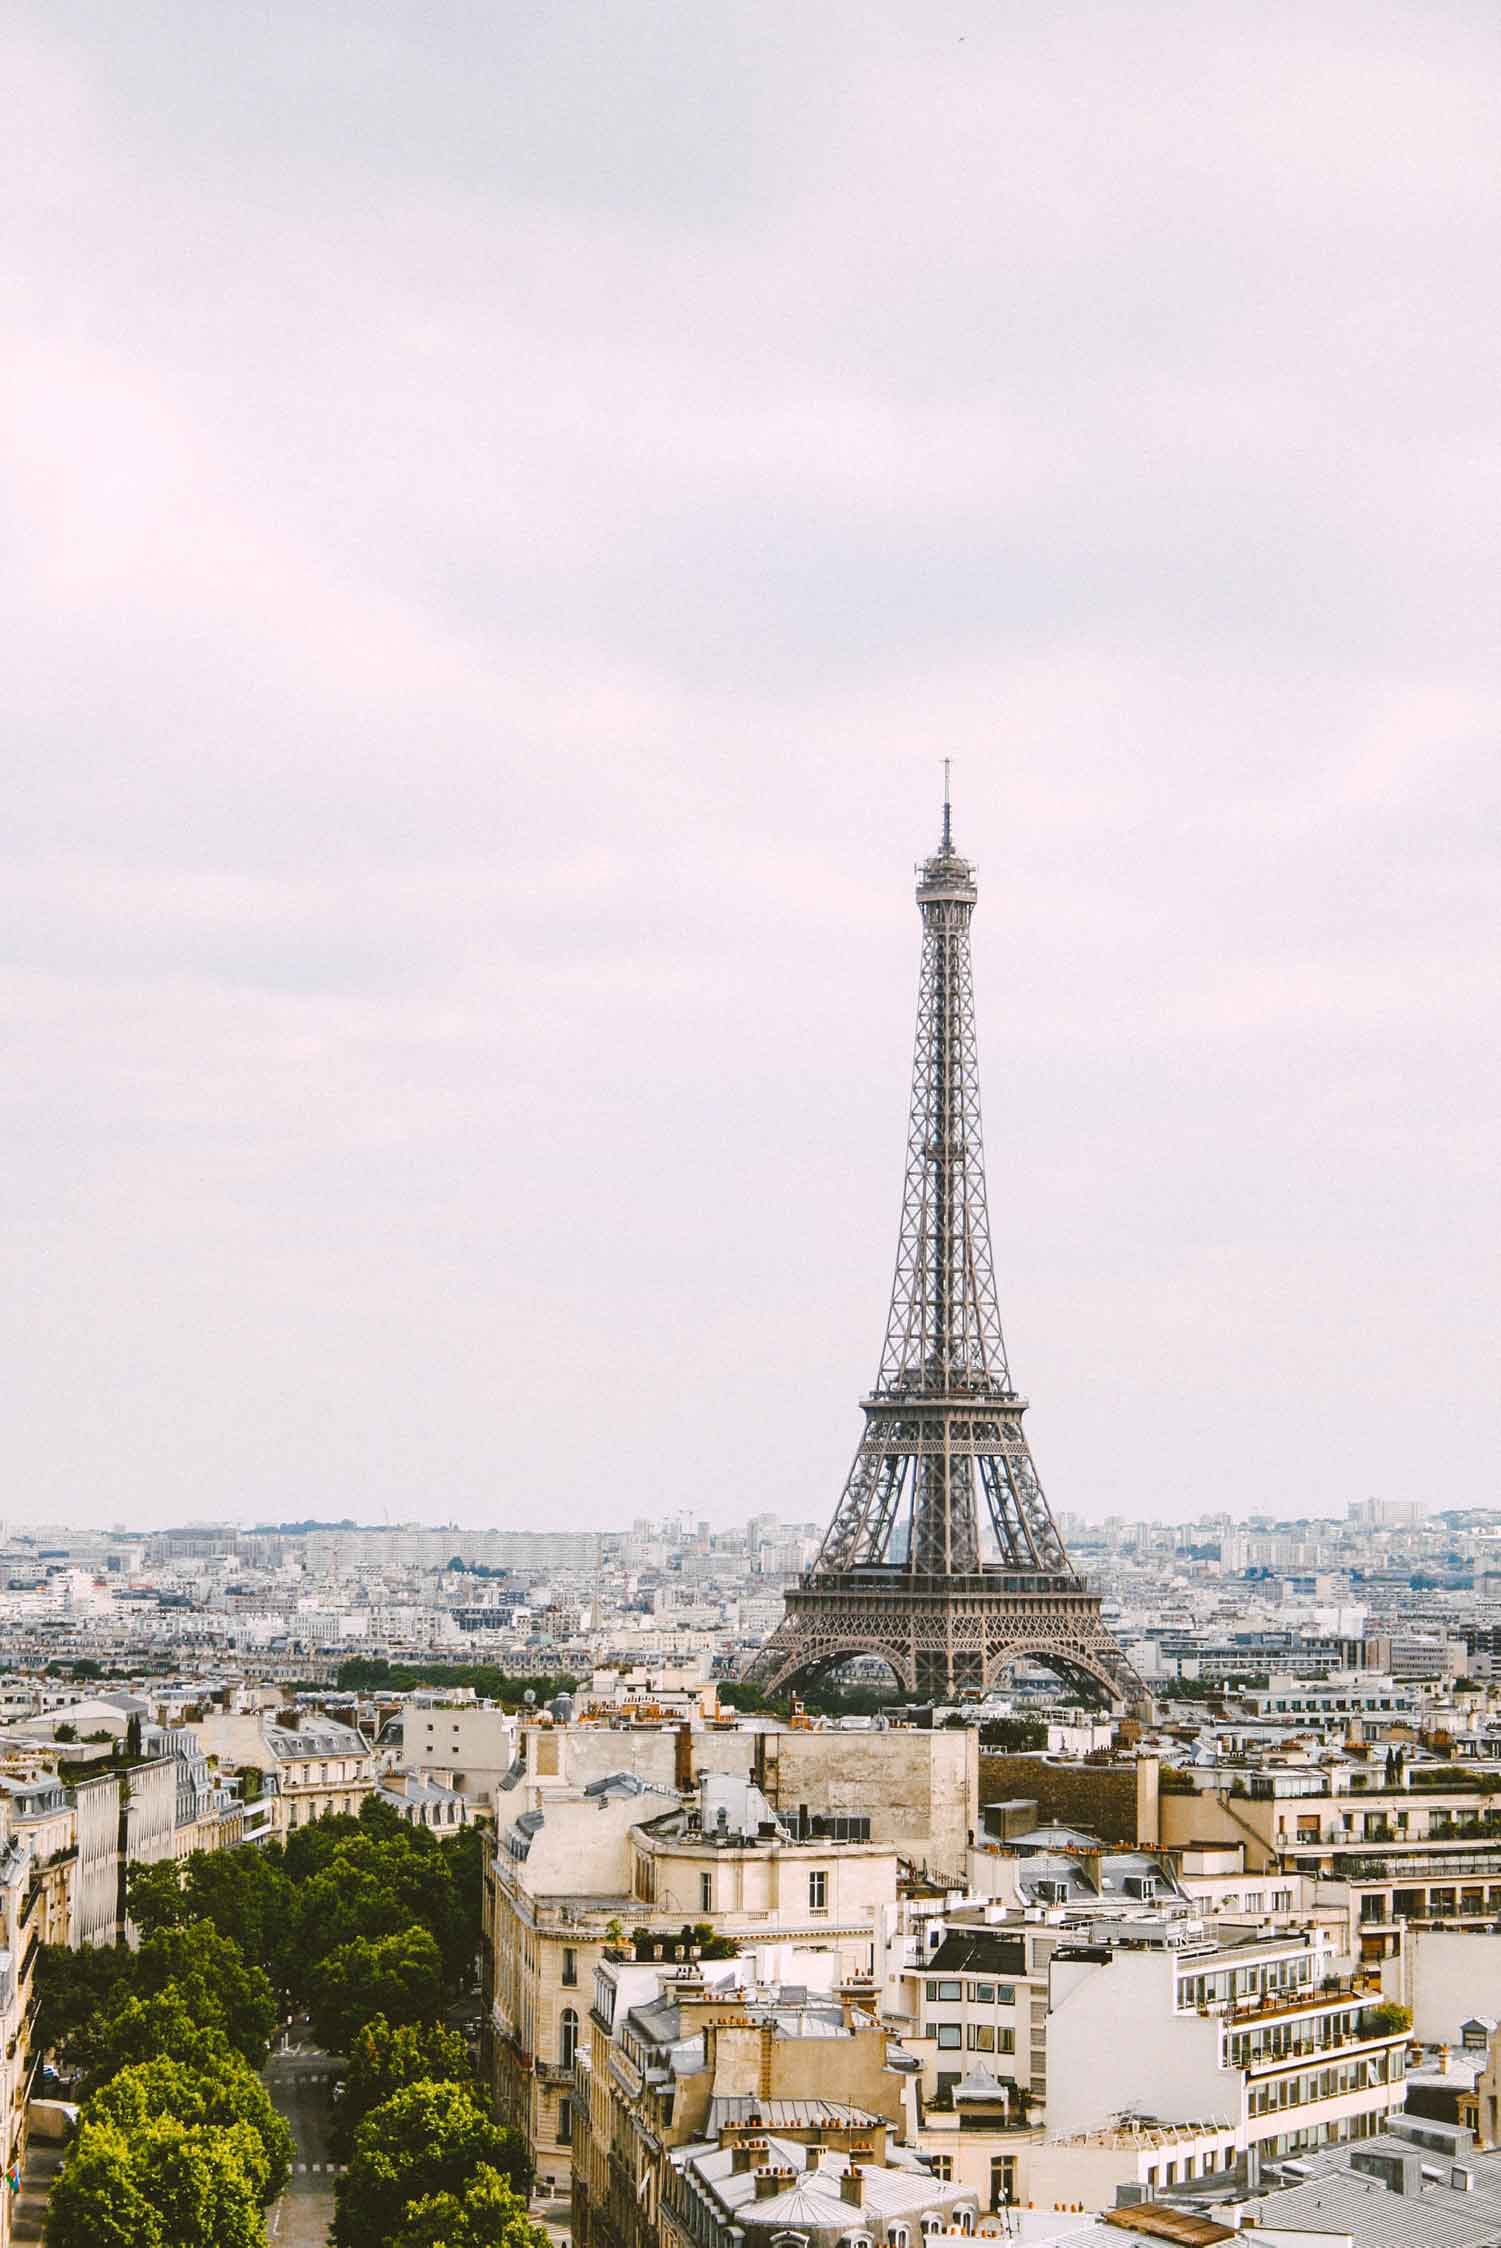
(501, 516)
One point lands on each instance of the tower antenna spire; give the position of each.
(948, 833)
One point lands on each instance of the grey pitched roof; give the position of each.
(788, 2115)
(1377, 2218)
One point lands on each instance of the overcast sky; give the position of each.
(505, 507)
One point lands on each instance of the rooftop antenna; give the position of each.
(948, 839)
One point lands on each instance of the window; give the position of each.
(982, 2037)
(570, 1967)
(950, 2037)
(568, 2037)
(943, 2168)
(983, 1994)
(818, 1890)
(1005, 2041)
(705, 1892)
(1005, 1994)
(565, 2123)
(945, 1990)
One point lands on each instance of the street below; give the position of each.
(299, 2080)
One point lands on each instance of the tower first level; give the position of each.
(943, 1640)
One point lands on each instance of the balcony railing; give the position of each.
(1408, 1867)
(1302, 1998)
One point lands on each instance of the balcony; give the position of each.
(1427, 1864)
(1304, 1998)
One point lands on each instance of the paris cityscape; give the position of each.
(956, 1866)
(750, 981)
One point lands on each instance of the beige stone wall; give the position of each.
(920, 1790)
(1214, 1818)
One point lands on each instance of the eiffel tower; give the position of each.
(943, 1557)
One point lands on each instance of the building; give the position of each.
(425, 1799)
(572, 1878)
(473, 1746)
(1264, 2039)
(770, 2190)
(1386, 1856)
(314, 1767)
(687, 2052)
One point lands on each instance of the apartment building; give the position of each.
(425, 1799)
(473, 1747)
(914, 1788)
(770, 2190)
(573, 1877)
(688, 2052)
(1262, 2039)
(1386, 1857)
(315, 1768)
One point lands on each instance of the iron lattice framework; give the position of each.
(943, 1557)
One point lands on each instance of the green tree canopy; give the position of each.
(383, 2056)
(372, 1884)
(400, 1976)
(155, 1898)
(218, 1985)
(77, 1989)
(163, 2026)
(165, 2185)
(244, 1894)
(217, 2092)
(487, 2214)
(427, 2139)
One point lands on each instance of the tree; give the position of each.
(76, 1989)
(245, 1894)
(154, 1897)
(162, 2026)
(383, 2056)
(98, 2201)
(167, 2185)
(400, 1976)
(488, 2214)
(426, 2139)
(219, 1987)
(218, 2092)
(464, 1855)
(376, 1880)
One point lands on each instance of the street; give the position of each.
(299, 2081)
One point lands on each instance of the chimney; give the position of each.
(1443, 2060)
(768, 2182)
(740, 2160)
(852, 2187)
(765, 2072)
